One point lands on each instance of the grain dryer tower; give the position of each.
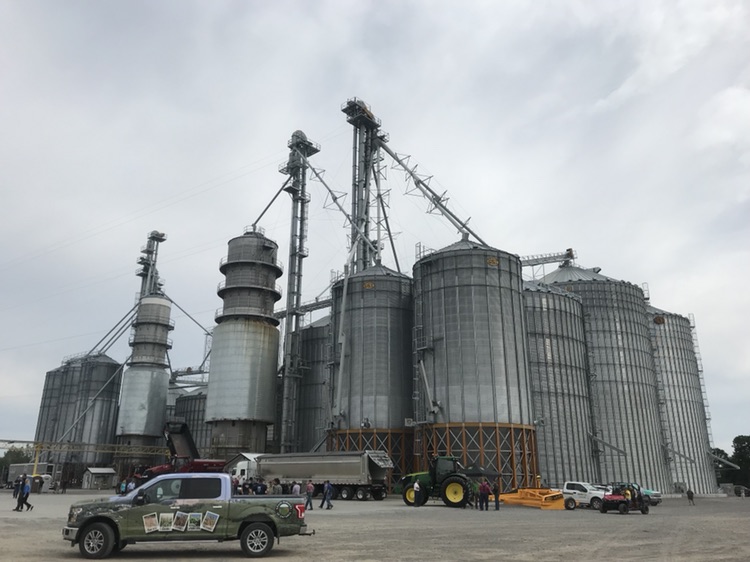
(241, 400)
(471, 389)
(145, 382)
(628, 428)
(559, 384)
(681, 397)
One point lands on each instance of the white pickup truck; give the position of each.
(582, 494)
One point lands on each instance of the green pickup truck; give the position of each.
(184, 507)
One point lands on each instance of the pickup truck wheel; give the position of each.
(361, 494)
(256, 540)
(97, 541)
(346, 493)
(596, 503)
(570, 503)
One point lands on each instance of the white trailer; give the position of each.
(353, 474)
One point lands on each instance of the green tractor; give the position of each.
(445, 480)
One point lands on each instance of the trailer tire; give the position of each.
(346, 493)
(256, 540)
(362, 494)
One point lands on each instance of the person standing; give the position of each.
(327, 495)
(417, 494)
(309, 490)
(16, 487)
(484, 495)
(276, 488)
(690, 496)
(496, 493)
(295, 488)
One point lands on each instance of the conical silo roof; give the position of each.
(378, 270)
(568, 273)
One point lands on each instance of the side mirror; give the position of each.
(140, 498)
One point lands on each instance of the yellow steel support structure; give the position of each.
(54, 447)
(508, 449)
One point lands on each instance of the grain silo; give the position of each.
(314, 406)
(628, 428)
(191, 408)
(681, 399)
(472, 395)
(244, 355)
(559, 384)
(79, 405)
(372, 369)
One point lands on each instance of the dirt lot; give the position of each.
(715, 529)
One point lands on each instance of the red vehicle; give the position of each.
(617, 500)
(183, 454)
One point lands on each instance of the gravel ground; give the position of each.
(715, 529)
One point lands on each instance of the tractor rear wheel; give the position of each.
(454, 491)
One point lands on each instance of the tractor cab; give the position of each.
(442, 467)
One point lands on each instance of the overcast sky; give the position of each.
(620, 129)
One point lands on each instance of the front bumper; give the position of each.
(70, 534)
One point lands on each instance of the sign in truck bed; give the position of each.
(184, 507)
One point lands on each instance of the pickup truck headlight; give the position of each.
(73, 514)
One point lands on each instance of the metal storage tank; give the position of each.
(559, 384)
(244, 356)
(314, 406)
(191, 408)
(681, 397)
(79, 404)
(372, 363)
(145, 382)
(472, 394)
(624, 391)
